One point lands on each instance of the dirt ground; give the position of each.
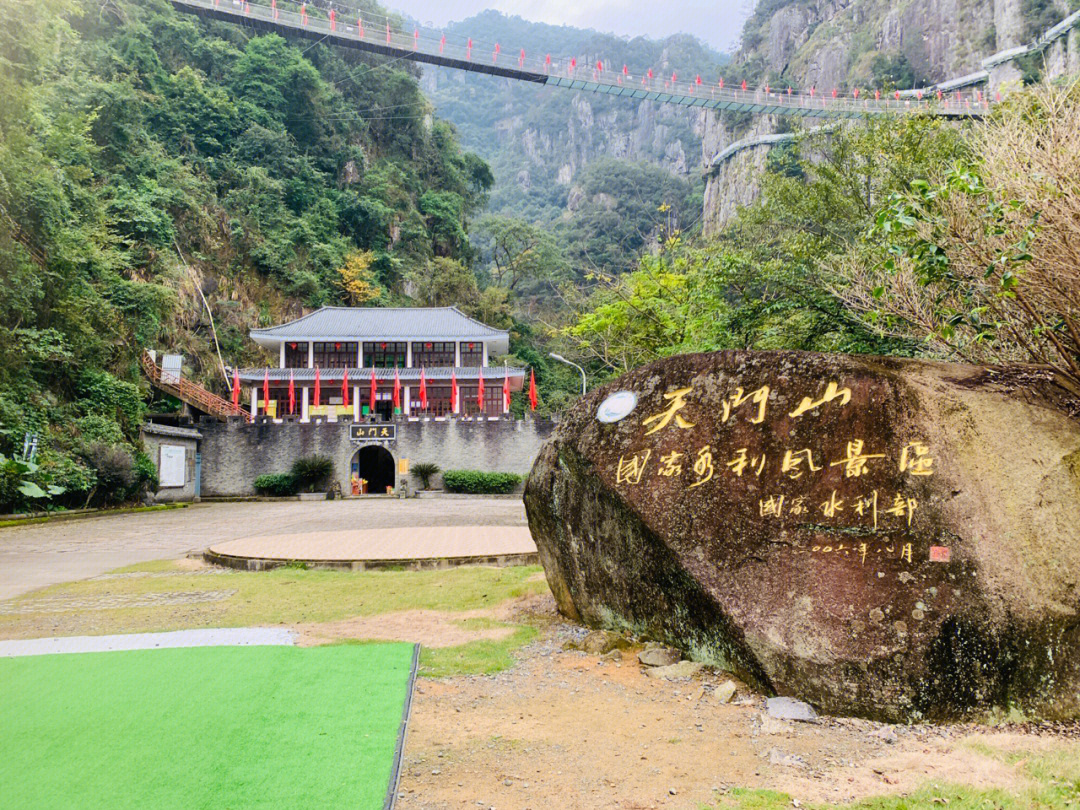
(571, 730)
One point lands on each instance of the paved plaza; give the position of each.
(415, 543)
(44, 554)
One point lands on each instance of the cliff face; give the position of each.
(538, 139)
(844, 43)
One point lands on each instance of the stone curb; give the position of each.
(268, 563)
(208, 637)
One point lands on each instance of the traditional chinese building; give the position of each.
(318, 398)
(331, 357)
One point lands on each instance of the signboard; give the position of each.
(403, 466)
(172, 366)
(372, 433)
(172, 469)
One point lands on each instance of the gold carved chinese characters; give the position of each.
(700, 464)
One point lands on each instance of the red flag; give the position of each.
(453, 392)
(345, 389)
(423, 389)
(397, 391)
(266, 390)
(532, 389)
(506, 390)
(292, 394)
(236, 387)
(371, 402)
(318, 392)
(480, 392)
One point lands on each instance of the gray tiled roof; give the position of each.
(383, 323)
(360, 376)
(171, 430)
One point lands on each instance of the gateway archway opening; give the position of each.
(375, 464)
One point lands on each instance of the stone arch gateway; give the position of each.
(376, 464)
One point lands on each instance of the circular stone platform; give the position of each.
(359, 549)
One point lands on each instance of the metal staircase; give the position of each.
(186, 391)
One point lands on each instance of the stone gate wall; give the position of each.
(234, 453)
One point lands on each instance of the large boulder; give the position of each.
(889, 538)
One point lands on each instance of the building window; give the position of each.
(439, 402)
(296, 354)
(472, 354)
(278, 406)
(335, 355)
(493, 399)
(384, 355)
(430, 354)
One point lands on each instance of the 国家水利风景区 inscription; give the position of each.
(881, 537)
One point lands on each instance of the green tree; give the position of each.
(444, 282)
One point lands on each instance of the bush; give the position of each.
(18, 489)
(423, 472)
(312, 472)
(115, 471)
(476, 482)
(276, 484)
(146, 476)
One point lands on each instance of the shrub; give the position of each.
(423, 472)
(312, 472)
(276, 484)
(18, 490)
(115, 471)
(146, 476)
(477, 482)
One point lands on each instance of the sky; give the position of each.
(717, 22)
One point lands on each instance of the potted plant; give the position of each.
(423, 472)
(312, 474)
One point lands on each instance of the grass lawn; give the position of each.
(207, 727)
(284, 596)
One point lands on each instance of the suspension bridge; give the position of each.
(377, 34)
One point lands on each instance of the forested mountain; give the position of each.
(153, 167)
(538, 140)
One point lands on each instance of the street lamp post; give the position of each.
(562, 359)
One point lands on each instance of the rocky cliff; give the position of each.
(537, 139)
(842, 43)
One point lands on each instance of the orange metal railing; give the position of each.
(194, 395)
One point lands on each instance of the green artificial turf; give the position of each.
(206, 727)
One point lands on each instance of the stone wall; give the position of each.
(234, 453)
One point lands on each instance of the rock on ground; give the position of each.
(889, 538)
(785, 708)
(659, 656)
(672, 672)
